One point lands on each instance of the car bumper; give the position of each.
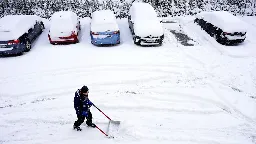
(63, 40)
(112, 40)
(67, 41)
(149, 41)
(15, 51)
(235, 37)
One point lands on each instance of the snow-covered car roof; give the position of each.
(103, 16)
(63, 21)
(64, 15)
(14, 26)
(224, 20)
(141, 11)
(103, 20)
(145, 19)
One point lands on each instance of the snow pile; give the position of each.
(103, 20)
(63, 23)
(224, 20)
(14, 26)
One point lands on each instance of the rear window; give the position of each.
(62, 23)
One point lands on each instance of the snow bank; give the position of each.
(103, 20)
(224, 20)
(14, 26)
(63, 23)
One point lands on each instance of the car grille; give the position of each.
(151, 36)
(238, 33)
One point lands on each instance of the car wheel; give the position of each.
(77, 41)
(160, 43)
(27, 45)
(42, 27)
(216, 37)
(136, 42)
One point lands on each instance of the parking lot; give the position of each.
(201, 93)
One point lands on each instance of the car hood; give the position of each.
(147, 28)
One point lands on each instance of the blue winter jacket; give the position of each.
(81, 104)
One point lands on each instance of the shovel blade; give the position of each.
(115, 122)
(113, 127)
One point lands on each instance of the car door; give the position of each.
(31, 34)
(131, 23)
(37, 29)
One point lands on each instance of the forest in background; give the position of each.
(164, 8)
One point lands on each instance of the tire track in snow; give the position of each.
(192, 98)
(66, 71)
(235, 111)
(203, 36)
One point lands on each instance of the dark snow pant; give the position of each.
(81, 118)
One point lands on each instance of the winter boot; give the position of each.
(90, 124)
(77, 128)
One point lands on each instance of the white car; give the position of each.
(65, 27)
(145, 25)
(223, 26)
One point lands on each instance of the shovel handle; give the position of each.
(101, 131)
(101, 111)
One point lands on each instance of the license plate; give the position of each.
(150, 40)
(5, 49)
(2, 46)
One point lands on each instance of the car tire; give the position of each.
(216, 37)
(27, 45)
(161, 43)
(42, 27)
(77, 41)
(137, 43)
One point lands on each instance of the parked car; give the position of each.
(104, 28)
(64, 28)
(17, 32)
(223, 26)
(144, 24)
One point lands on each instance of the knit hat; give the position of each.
(84, 89)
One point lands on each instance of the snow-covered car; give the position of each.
(144, 24)
(17, 32)
(104, 28)
(64, 28)
(223, 26)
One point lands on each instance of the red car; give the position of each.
(65, 27)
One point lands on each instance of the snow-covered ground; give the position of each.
(202, 94)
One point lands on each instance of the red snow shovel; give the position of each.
(112, 125)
